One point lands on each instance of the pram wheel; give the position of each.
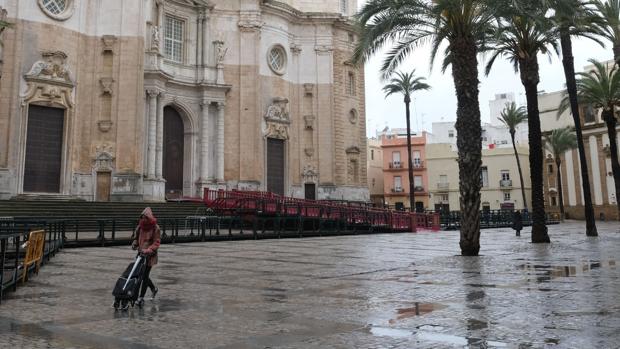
(116, 304)
(124, 304)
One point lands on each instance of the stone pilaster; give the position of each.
(220, 142)
(151, 159)
(204, 142)
(159, 147)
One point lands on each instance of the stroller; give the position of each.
(127, 286)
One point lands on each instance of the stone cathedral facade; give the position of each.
(131, 100)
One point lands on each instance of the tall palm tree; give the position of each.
(601, 89)
(576, 18)
(406, 84)
(463, 25)
(609, 13)
(558, 142)
(520, 37)
(512, 117)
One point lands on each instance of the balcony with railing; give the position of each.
(398, 190)
(419, 189)
(443, 186)
(395, 165)
(418, 164)
(505, 183)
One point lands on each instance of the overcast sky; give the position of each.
(439, 104)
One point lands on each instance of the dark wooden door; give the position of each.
(173, 152)
(103, 186)
(275, 166)
(43, 149)
(310, 189)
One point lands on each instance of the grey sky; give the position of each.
(440, 103)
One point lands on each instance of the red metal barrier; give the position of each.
(232, 202)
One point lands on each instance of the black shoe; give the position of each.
(116, 304)
(140, 302)
(155, 290)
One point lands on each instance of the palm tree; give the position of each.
(609, 13)
(463, 25)
(406, 84)
(512, 116)
(575, 18)
(601, 89)
(560, 141)
(521, 37)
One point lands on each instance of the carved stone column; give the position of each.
(204, 142)
(220, 142)
(152, 131)
(160, 138)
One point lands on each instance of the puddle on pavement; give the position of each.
(417, 310)
(547, 272)
(431, 336)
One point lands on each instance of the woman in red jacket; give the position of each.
(146, 241)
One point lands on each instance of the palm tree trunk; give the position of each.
(469, 137)
(410, 162)
(571, 86)
(530, 78)
(610, 120)
(558, 163)
(514, 146)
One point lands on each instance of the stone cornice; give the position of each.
(292, 14)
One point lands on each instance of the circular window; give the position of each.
(57, 9)
(276, 58)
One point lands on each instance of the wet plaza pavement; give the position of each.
(381, 291)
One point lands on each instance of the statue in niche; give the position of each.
(220, 51)
(155, 37)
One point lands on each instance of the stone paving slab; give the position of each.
(381, 291)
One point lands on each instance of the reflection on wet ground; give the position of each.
(383, 291)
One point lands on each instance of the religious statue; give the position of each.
(155, 37)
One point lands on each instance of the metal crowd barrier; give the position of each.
(23, 252)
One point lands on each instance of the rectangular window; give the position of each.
(589, 114)
(343, 7)
(444, 197)
(550, 168)
(451, 134)
(507, 196)
(554, 201)
(372, 154)
(417, 162)
(484, 177)
(417, 181)
(443, 179)
(173, 39)
(396, 158)
(351, 84)
(505, 175)
(398, 184)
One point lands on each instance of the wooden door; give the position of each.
(43, 163)
(310, 189)
(173, 152)
(104, 181)
(275, 166)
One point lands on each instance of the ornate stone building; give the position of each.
(147, 99)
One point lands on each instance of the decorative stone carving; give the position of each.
(277, 131)
(309, 89)
(353, 116)
(155, 37)
(52, 67)
(250, 21)
(309, 174)
(353, 150)
(104, 125)
(295, 49)
(309, 121)
(49, 81)
(309, 152)
(104, 158)
(108, 43)
(323, 49)
(106, 85)
(220, 52)
(277, 112)
(607, 150)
